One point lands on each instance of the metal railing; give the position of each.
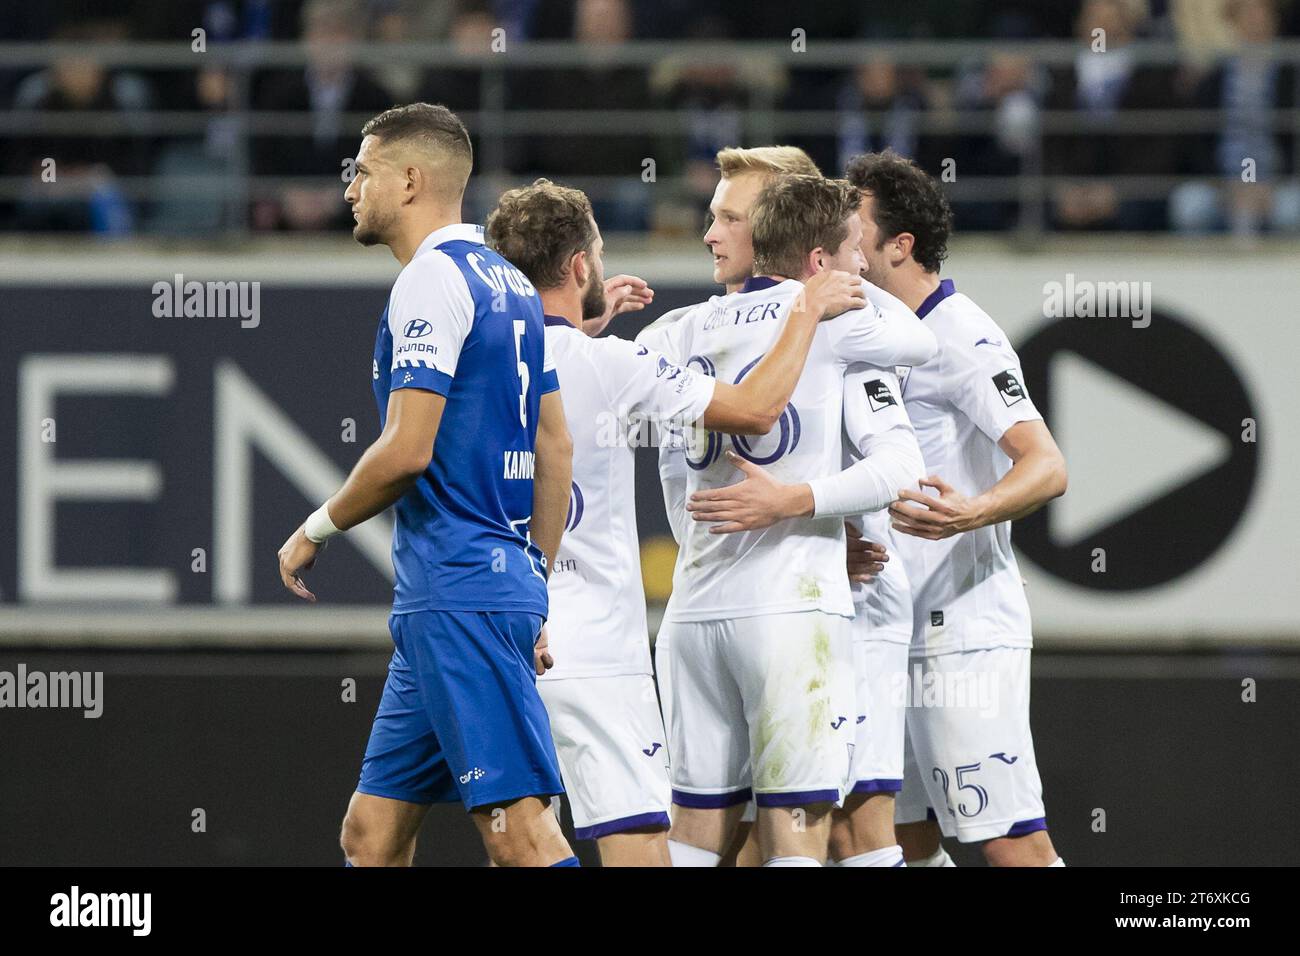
(496, 125)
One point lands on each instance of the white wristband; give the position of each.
(318, 526)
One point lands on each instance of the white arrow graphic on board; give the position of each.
(1124, 447)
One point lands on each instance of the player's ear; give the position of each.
(580, 267)
(816, 260)
(415, 181)
(904, 243)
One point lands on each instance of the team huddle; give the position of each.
(842, 671)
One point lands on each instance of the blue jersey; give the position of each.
(462, 322)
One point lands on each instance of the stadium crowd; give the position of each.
(110, 182)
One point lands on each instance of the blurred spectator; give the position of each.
(459, 88)
(875, 87)
(1009, 89)
(74, 176)
(193, 176)
(712, 96)
(1104, 82)
(600, 28)
(1247, 151)
(1200, 28)
(329, 88)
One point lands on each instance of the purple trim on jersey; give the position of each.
(711, 801)
(899, 863)
(758, 283)
(878, 785)
(421, 376)
(550, 320)
(946, 288)
(796, 798)
(1025, 827)
(654, 819)
(550, 381)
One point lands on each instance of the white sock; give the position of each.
(791, 861)
(683, 854)
(940, 858)
(1059, 862)
(886, 856)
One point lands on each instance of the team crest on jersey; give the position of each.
(878, 395)
(1009, 387)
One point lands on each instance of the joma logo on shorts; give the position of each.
(475, 774)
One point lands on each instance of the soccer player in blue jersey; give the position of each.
(476, 456)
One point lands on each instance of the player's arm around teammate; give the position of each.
(1037, 475)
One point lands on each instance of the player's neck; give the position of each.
(564, 304)
(912, 284)
(737, 286)
(404, 246)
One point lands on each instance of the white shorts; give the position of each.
(613, 752)
(970, 756)
(759, 706)
(880, 670)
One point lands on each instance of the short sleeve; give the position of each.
(550, 378)
(643, 381)
(666, 335)
(986, 383)
(885, 333)
(873, 405)
(430, 313)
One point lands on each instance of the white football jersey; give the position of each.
(967, 591)
(609, 386)
(872, 406)
(795, 565)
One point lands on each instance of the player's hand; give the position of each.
(542, 659)
(933, 517)
(623, 293)
(757, 501)
(296, 555)
(830, 293)
(865, 558)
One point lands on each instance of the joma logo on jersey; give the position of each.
(417, 328)
(518, 464)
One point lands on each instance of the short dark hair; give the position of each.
(795, 214)
(430, 124)
(539, 228)
(907, 199)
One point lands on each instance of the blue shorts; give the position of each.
(460, 717)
